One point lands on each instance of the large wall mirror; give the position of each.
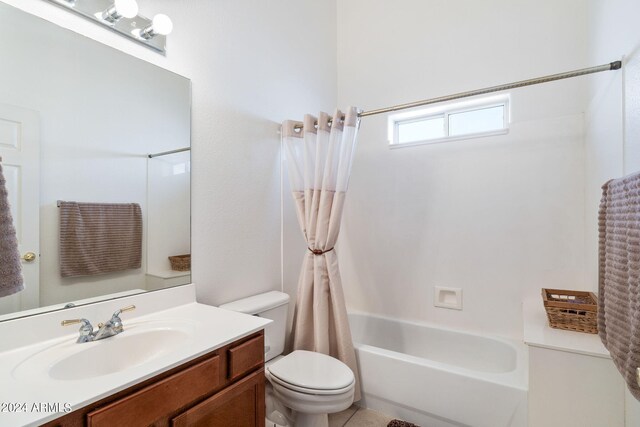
(78, 123)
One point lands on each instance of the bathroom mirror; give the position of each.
(78, 123)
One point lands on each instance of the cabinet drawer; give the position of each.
(239, 405)
(160, 399)
(246, 357)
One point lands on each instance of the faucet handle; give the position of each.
(116, 322)
(86, 330)
(124, 309)
(84, 322)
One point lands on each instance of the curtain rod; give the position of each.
(164, 153)
(616, 65)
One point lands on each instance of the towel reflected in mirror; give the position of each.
(11, 280)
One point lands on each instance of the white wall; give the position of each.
(613, 119)
(499, 217)
(253, 64)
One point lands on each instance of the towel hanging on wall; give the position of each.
(619, 275)
(11, 280)
(99, 238)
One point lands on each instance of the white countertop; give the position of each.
(538, 333)
(211, 328)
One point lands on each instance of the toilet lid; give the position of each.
(311, 370)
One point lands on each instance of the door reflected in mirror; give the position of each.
(78, 123)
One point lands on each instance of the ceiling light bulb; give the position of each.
(161, 25)
(121, 9)
(127, 8)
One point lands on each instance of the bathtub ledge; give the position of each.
(537, 333)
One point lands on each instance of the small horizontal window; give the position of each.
(418, 130)
(456, 121)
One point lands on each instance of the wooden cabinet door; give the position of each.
(160, 399)
(246, 357)
(240, 405)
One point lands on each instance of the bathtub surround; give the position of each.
(319, 163)
(169, 213)
(484, 215)
(619, 290)
(11, 280)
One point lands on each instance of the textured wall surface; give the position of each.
(613, 120)
(499, 217)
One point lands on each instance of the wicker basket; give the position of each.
(180, 262)
(571, 310)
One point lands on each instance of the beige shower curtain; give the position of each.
(319, 154)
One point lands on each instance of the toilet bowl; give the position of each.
(312, 385)
(304, 386)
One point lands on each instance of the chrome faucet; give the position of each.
(86, 330)
(105, 330)
(113, 326)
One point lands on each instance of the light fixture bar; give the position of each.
(104, 13)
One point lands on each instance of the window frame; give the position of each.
(395, 120)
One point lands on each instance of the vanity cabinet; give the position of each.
(236, 405)
(222, 388)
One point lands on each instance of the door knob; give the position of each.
(29, 257)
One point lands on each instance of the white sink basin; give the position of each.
(138, 344)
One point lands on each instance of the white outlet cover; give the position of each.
(446, 297)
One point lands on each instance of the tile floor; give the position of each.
(358, 417)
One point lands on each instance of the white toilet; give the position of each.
(305, 386)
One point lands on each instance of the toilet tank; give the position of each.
(270, 305)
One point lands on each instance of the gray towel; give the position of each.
(11, 280)
(619, 275)
(99, 238)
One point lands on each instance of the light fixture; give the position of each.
(160, 25)
(121, 16)
(120, 9)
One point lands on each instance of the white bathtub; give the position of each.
(438, 377)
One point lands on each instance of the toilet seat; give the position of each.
(312, 373)
(304, 390)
